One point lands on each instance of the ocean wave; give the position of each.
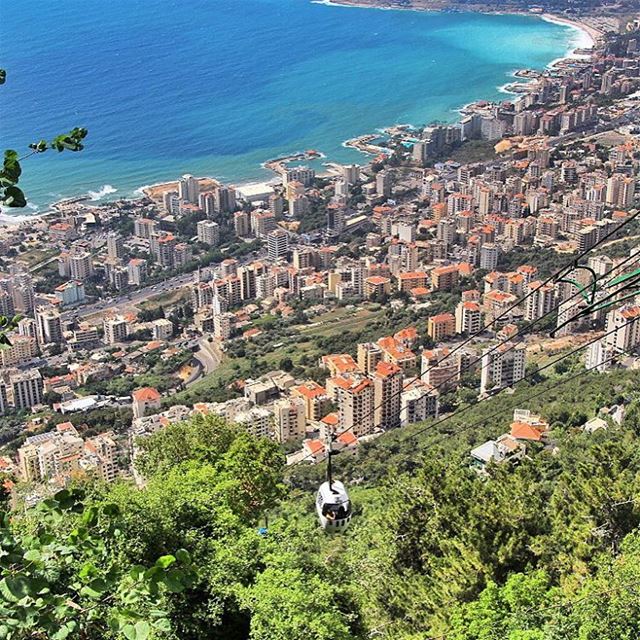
(104, 191)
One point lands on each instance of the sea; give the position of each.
(217, 87)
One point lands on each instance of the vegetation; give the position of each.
(546, 550)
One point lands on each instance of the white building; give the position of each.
(289, 419)
(208, 232)
(503, 366)
(258, 421)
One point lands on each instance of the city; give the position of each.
(337, 306)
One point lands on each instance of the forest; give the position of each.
(222, 541)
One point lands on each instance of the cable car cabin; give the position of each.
(333, 506)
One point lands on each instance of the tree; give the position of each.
(60, 580)
(288, 602)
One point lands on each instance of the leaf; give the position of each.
(137, 573)
(3, 76)
(40, 146)
(142, 630)
(173, 581)
(183, 556)
(33, 555)
(14, 589)
(165, 561)
(163, 624)
(129, 632)
(13, 197)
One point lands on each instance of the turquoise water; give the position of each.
(218, 87)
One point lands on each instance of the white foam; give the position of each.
(104, 191)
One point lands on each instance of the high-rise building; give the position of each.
(115, 245)
(26, 387)
(541, 300)
(418, 402)
(489, 256)
(350, 173)
(355, 398)
(48, 325)
(624, 323)
(289, 419)
(302, 174)
(163, 248)
(368, 357)
(81, 266)
(145, 228)
(383, 184)
(441, 326)
(502, 367)
(115, 330)
(188, 189)
(468, 317)
(620, 191)
(137, 271)
(224, 199)
(241, 224)
(387, 388)
(208, 232)
(277, 244)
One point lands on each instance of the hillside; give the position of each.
(547, 549)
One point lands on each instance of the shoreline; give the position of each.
(155, 190)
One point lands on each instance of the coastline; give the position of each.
(588, 33)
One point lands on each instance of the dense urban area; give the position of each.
(458, 318)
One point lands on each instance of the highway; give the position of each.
(129, 299)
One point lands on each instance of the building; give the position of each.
(48, 325)
(418, 402)
(377, 287)
(368, 356)
(162, 329)
(258, 421)
(115, 245)
(277, 244)
(444, 278)
(441, 326)
(316, 402)
(355, 398)
(137, 271)
(620, 191)
(80, 265)
(387, 389)
(302, 174)
(208, 232)
(145, 401)
(541, 300)
(27, 389)
(70, 293)
(222, 325)
(489, 256)
(623, 327)
(163, 248)
(115, 330)
(145, 228)
(503, 366)
(468, 318)
(289, 418)
(22, 350)
(188, 189)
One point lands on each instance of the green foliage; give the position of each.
(60, 580)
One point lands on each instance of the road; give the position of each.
(130, 299)
(207, 356)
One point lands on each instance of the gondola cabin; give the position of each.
(333, 506)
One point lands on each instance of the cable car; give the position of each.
(332, 502)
